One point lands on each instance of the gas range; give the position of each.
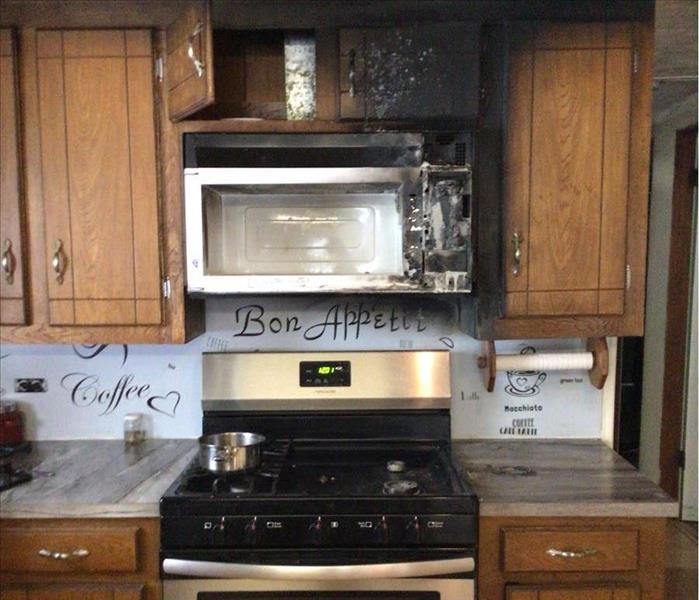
(358, 486)
(316, 494)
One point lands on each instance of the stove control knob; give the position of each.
(412, 531)
(221, 526)
(381, 531)
(315, 531)
(251, 531)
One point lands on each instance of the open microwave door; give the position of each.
(297, 230)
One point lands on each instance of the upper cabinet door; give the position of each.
(99, 176)
(425, 72)
(189, 72)
(12, 291)
(577, 134)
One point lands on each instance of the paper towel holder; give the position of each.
(596, 347)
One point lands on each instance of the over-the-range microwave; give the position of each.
(335, 213)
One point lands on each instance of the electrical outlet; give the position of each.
(30, 385)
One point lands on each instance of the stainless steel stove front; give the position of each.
(372, 589)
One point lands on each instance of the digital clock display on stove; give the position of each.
(325, 374)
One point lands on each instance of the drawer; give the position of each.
(74, 550)
(583, 592)
(569, 549)
(70, 591)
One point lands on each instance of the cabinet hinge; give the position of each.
(681, 459)
(635, 60)
(166, 288)
(159, 69)
(628, 277)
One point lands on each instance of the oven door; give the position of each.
(378, 589)
(266, 230)
(449, 578)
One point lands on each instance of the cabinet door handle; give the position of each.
(351, 73)
(59, 261)
(198, 64)
(78, 553)
(516, 253)
(8, 261)
(556, 553)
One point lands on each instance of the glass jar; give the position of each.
(11, 423)
(134, 429)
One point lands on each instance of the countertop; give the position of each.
(95, 478)
(103, 478)
(565, 478)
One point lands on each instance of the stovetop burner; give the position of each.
(401, 487)
(331, 469)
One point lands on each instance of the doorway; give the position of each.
(678, 431)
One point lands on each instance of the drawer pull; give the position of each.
(79, 553)
(59, 260)
(516, 253)
(351, 75)
(555, 553)
(198, 63)
(8, 262)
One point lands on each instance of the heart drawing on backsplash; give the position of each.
(166, 404)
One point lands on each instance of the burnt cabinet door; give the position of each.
(99, 177)
(425, 72)
(189, 73)
(12, 288)
(576, 168)
(582, 592)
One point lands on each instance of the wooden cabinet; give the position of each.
(12, 242)
(576, 180)
(223, 73)
(555, 558)
(603, 592)
(105, 235)
(189, 62)
(72, 591)
(86, 550)
(94, 559)
(428, 72)
(99, 177)
(542, 549)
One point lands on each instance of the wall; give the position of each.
(659, 228)
(91, 388)
(689, 475)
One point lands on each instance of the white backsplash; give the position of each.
(91, 388)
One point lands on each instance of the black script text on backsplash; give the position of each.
(87, 390)
(342, 321)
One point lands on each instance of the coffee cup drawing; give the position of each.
(525, 383)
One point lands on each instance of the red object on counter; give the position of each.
(11, 423)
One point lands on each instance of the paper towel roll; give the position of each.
(560, 361)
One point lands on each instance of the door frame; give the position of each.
(678, 300)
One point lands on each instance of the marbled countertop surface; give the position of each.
(103, 478)
(546, 478)
(96, 478)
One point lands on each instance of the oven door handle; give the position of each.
(222, 570)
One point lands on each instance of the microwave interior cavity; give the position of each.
(328, 213)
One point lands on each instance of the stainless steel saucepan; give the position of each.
(230, 452)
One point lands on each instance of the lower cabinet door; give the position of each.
(73, 591)
(584, 592)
